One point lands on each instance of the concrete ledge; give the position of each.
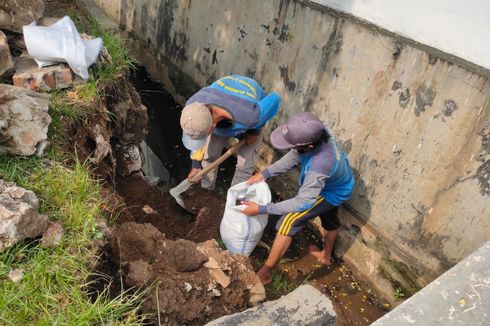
(304, 306)
(461, 296)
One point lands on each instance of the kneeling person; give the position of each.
(325, 180)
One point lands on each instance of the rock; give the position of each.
(53, 234)
(24, 120)
(304, 306)
(139, 273)
(6, 63)
(29, 75)
(16, 275)
(129, 159)
(19, 217)
(17, 13)
(237, 266)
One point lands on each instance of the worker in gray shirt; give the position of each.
(325, 180)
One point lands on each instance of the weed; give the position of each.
(281, 284)
(399, 294)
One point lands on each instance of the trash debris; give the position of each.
(61, 42)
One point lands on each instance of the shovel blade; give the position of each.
(178, 190)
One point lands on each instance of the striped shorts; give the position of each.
(291, 223)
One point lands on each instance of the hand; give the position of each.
(250, 139)
(255, 179)
(252, 208)
(192, 174)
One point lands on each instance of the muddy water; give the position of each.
(354, 302)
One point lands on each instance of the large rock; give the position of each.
(6, 62)
(16, 13)
(19, 217)
(304, 306)
(24, 120)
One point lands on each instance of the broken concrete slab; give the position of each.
(29, 75)
(24, 120)
(19, 216)
(304, 306)
(6, 62)
(461, 296)
(15, 14)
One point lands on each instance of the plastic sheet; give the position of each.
(61, 42)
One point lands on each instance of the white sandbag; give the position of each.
(239, 232)
(61, 42)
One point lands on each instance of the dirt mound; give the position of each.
(147, 204)
(195, 283)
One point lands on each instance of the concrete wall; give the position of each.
(416, 127)
(453, 26)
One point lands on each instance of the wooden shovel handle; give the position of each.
(220, 160)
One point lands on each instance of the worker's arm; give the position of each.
(306, 198)
(196, 163)
(284, 164)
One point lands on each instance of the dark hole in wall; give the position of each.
(165, 134)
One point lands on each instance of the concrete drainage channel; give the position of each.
(283, 314)
(148, 230)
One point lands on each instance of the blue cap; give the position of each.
(193, 144)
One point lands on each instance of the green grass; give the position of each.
(53, 290)
(280, 284)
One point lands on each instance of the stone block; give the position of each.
(304, 306)
(460, 296)
(24, 120)
(19, 216)
(6, 62)
(29, 75)
(15, 14)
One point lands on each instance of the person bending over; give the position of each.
(325, 180)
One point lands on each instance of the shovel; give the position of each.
(185, 185)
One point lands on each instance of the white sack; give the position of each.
(61, 42)
(239, 232)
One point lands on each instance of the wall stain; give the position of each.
(396, 85)
(175, 46)
(449, 107)
(398, 51)
(404, 98)
(424, 97)
(483, 176)
(215, 60)
(290, 85)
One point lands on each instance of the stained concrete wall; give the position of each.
(416, 125)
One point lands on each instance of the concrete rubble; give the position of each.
(15, 14)
(24, 120)
(29, 75)
(6, 62)
(19, 216)
(53, 235)
(304, 306)
(460, 296)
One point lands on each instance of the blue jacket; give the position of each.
(324, 172)
(244, 99)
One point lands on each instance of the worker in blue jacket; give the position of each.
(233, 106)
(325, 180)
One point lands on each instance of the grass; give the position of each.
(280, 285)
(54, 288)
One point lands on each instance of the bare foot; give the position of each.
(265, 275)
(320, 255)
